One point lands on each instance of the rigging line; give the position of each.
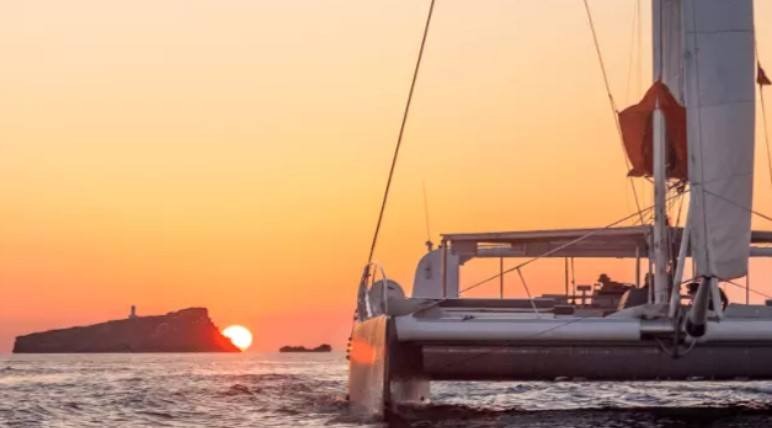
(612, 103)
(763, 108)
(527, 291)
(661, 41)
(634, 59)
(638, 73)
(557, 249)
(401, 134)
(748, 288)
(766, 130)
(674, 207)
(426, 215)
(632, 55)
(731, 202)
(680, 208)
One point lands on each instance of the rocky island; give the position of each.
(186, 330)
(321, 348)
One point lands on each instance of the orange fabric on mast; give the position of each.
(637, 132)
(761, 77)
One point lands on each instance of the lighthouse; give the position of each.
(133, 313)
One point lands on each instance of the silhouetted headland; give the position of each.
(321, 348)
(186, 330)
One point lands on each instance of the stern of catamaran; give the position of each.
(610, 330)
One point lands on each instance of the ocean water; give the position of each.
(308, 390)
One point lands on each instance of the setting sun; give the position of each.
(239, 335)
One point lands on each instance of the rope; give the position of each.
(527, 291)
(384, 200)
(426, 217)
(763, 107)
(747, 288)
(634, 61)
(612, 103)
(401, 134)
(766, 130)
(680, 209)
(731, 202)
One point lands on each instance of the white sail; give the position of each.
(719, 83)
(667, 42)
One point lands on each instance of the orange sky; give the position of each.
(232, 154)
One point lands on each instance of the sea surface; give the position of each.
(308, 390)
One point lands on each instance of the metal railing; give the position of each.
(365, 308)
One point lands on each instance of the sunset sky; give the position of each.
(232, 154)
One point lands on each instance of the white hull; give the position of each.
(393, 358)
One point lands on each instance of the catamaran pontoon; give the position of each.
(648, 329)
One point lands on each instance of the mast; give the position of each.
(668, 42)
(661, 279)
(667, 61)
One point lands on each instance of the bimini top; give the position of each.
(605, 242)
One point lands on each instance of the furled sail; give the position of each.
(719, 92)
(636, 123)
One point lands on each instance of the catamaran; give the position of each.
(692, 133)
